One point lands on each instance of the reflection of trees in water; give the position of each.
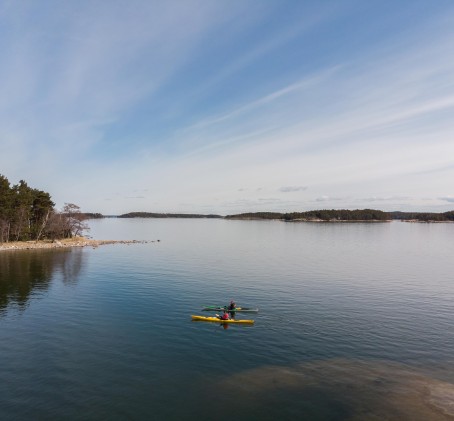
(24, 273)
(71, 266)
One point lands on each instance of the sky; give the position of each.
(229, 106)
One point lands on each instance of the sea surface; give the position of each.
(355, 322)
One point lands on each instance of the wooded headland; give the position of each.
(29, 214)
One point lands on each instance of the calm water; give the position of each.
(354, 318)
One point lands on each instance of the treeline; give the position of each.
(348, 215)
(339, 215)
(89, 215)
(29, 214)
(257, 215)
(423, 216)
(165, 215)
(319, 215)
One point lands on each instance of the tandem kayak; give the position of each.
(222, 308)
(217, 320)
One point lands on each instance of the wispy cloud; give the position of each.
(307, 82)
(290, 189)
(384, 199)
(325, 198)
(449, 199)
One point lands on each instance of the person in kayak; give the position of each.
(225, 316)
(232, 306)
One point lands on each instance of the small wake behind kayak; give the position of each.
(222, 308)
(217, 320)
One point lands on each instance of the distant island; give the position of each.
(323, 215)
(166, 215)
(318, 215)
(423, 216)
(94, 215)
(345, 215)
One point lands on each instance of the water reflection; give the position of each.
(23, 274)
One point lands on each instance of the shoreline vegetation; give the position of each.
(164, 215)
(323, 215)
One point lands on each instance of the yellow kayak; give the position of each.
(217, 320)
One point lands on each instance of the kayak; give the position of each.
(222, 308)
(215, 319)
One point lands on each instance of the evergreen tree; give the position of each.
(5, 208)
(29, 214)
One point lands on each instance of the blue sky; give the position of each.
(229, 106)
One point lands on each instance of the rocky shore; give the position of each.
(65, 243)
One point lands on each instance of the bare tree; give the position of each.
(74, 220)
(56, 226)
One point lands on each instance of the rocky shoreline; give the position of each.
(65, 243)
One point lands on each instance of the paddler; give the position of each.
(225, 316)
(232, 306)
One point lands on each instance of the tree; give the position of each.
(22, 205)
(5, 208)
(74, 220)
(42, 207)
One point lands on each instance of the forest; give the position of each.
(313, 215)
(28, 214)
(423, 216)
(165, 215)
(319, 215)
(349, 215)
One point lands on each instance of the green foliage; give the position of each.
(29, 214)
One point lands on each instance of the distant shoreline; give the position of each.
(342, 220)
(320, 215)
(62, 244)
